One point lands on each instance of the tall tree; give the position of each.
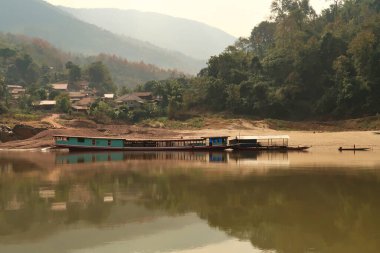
(75, 73)
(100, 78)
(4, 96)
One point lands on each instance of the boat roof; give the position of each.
(88, 137)
(216, 136)
(115, 138)
(262, 137)
(174, 139)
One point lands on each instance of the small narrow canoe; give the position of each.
(298, 148)
(353, 149)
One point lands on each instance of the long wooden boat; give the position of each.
(85, 143)
(353, 149)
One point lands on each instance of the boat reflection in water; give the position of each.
(133, 204)
(241, 158)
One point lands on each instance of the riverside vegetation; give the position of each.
(296, 66)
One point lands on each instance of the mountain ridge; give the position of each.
(37, 18)
(190, 37)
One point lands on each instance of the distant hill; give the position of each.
(123, 72)
(37, 18)
(186, 36)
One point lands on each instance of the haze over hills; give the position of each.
(37, 18)
(190, 37)
(123, 72)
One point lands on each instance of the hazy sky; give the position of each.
(236, 17)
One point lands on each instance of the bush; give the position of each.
(3, 108)
(102, 113)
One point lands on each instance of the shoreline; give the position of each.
(317, 140)
(318, 136)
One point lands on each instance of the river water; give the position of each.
(322, 201)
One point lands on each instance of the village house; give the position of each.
(131, 101)
(16, 91)
(148, 96)
(60, 86)
(76, 96)
(108, 97)
(46, 104)
(83, 105)
(12, 87)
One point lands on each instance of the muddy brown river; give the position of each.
(322, 201)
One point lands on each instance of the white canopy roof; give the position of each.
(262, 137)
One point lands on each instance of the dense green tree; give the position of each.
(3, 89)
(100, 78)
(74, 74)
(25, 102)
(102, 112)
(262, 38)
(41, 94)
(4, 96)
(63, 103)
(299, 65)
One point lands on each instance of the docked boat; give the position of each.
(264, 143)
(83, 143)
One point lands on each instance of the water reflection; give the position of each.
(191, 208)
(206, 157)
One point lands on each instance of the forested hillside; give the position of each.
(37, 18)
(298, 65)
(123, 72)
(187, 36)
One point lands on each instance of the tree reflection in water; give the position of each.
(282, 210)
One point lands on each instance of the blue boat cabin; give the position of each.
(218, 141)
(89, 142)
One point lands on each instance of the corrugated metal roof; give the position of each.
(77, 107)
(129, 97)
(142, 94)
(137, 140)
(77, 94)
(86, 101)
(48, 102)
(14, 87)
(109, 96)
(59, 86)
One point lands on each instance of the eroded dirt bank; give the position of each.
(317, 139)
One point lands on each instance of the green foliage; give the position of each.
(27, 117)
(3, 108)
(146, 111)
(100, 78)
(3, 89)
(102, 112)
(4, 96)
(53, 62)
(25, 103)
(297, 66)
(74, 73)
(63, 103)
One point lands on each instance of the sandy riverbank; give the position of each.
(318, 140)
